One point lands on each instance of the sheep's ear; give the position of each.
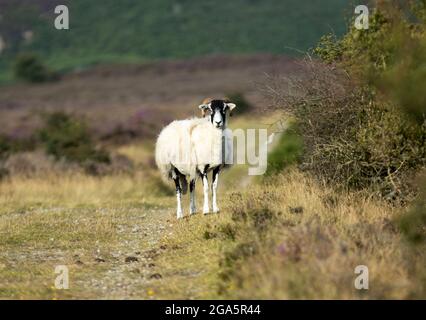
(231, 107)
(204, 108)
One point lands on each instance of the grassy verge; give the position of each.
(292, 238)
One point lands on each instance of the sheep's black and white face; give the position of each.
(218, 111)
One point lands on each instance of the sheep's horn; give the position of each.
(207, 100)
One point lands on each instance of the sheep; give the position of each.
(194, 147)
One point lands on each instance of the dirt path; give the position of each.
(130, 267)
(122, 267)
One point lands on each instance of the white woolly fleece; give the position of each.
(192, 144)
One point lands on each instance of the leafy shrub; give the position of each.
(353, 134)
(30, 68)
(329, 49)
(238, 98)
(391, 64)
(360, 50)
(64, 136)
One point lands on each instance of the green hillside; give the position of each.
(132, 30)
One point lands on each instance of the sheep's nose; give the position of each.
(218, 123)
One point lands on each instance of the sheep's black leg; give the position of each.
(192, 185)
(178, 197)
(192, 208)
(214, 188)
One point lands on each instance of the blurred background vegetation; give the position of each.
(136, 31)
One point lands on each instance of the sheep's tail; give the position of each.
(167, 172)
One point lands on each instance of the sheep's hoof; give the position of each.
(193, 212)
(216, 210)
(180, 215)
(206, 211)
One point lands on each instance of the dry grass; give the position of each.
(70, 190)
(307, 249)
(310, 244)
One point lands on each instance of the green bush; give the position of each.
(66, 137)
(329, 49)
(30, 68)
(243, 105)
(382, 151)
(351, 106)
(361, 51)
